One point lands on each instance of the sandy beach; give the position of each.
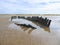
(10, 34)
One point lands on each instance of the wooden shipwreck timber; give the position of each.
(43, 21)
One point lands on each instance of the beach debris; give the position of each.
(27, 21)
(23, 22)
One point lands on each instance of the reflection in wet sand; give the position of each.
(24, 28)
(46, 28)
(43, 27)
(30, 30)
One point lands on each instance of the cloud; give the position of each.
(29, 6)
(36, 1)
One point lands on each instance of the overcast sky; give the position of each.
(30, 6)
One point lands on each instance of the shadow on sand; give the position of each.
(26, 28)
(30, 29)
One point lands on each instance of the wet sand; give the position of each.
(10, 34)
